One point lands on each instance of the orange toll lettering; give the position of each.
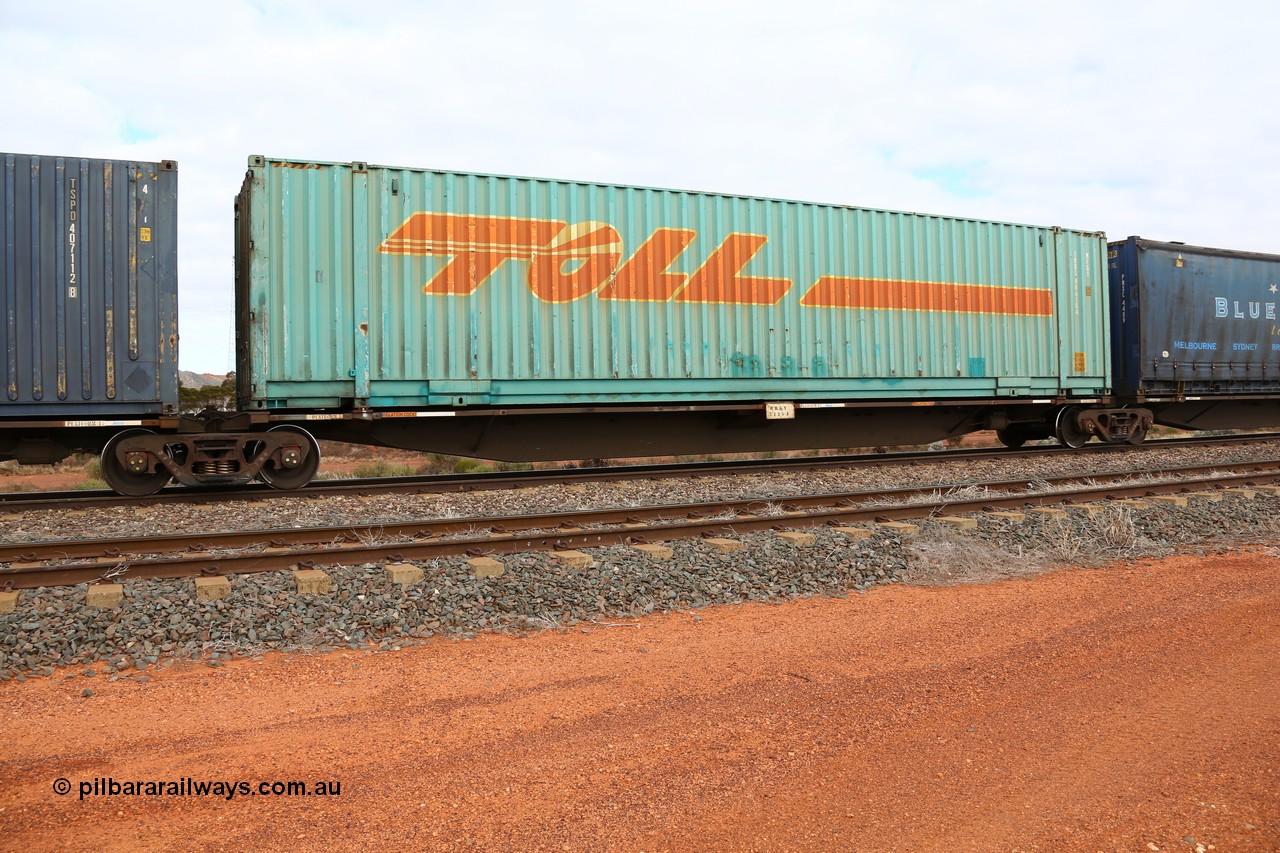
(463, 274)
(566, 262)
(894, 295)
(719, 279)
(644, 278)
(478, 245)
(591, 249)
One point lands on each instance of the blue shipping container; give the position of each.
(1193, 320)
(88, 287)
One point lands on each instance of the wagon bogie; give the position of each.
(140, 462)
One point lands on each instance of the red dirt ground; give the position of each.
(1129, 708)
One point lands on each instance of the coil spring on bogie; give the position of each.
(215, 466)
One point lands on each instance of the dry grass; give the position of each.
(942, 556)
(1107, 537)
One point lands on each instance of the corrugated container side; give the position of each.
(89, 303)
(404, 287)
(1194, 320)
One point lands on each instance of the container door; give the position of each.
(88, 286)
(1080, 302)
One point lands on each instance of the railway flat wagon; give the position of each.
(515, 318)
(1196, 333)
(88, 300)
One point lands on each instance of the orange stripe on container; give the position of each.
(889, 294)
(426, 233)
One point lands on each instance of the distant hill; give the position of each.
(189, 379)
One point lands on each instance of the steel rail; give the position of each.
(453, 537)
(447, 483)
(116, 548)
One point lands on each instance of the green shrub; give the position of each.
(471, 466)
(378, 468)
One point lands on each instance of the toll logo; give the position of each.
(567, 262)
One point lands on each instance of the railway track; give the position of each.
(87, 561)
(446, 483)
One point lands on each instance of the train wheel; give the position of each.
(124, 481)
(1137, 436)
(298, 476)
(1068, 431)
(1011, 438)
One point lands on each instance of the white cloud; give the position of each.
(1154, 118)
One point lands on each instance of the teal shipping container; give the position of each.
(379, 288)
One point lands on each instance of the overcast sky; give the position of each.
(1160, 119)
